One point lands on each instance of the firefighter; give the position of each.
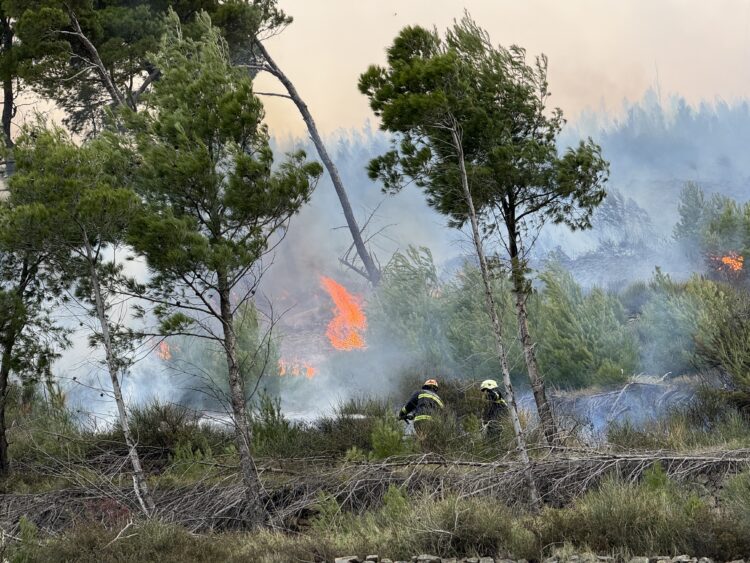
(422, 404)
(496, 407)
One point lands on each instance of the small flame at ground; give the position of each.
(733, 261)
(295, 368)
(346, 329)
(164, 352)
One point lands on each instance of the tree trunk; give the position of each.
(139, 479)
(373, 273)
(521, 291)
(4, 373)
(243, 431)
(6, 41)
(496, 326)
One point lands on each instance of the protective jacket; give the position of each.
(421, 405)
(496, 406)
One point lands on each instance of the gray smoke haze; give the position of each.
(653, 150)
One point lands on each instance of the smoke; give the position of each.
(653, 150)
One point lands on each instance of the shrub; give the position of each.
(388, 438)
(707, 422)
(149, 541)
(735, 500)
(582, 339)
(273, 434)
(160, 427)
(678, 315)
(652, 517)
(407, 309)
(635, 297)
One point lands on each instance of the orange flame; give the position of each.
(733, 261)
(164, 352)
(346, 329)
(296, 368)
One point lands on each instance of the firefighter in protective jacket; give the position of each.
(422, 404)
(496, 407)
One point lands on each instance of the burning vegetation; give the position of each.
(295, 368)
(731, 265)
(346, 329)
(164, 352)
(733, 262)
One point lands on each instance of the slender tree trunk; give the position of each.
(243, 430)
(139, 479)
(496, 326)
(6, 41)
(521, 292)
(7, 354)
(373, 273)
(546, 416)
(9, 96)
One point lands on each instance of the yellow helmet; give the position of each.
(488, 384)
(431, 383)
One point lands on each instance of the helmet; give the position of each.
(488, 384)
(431, 383)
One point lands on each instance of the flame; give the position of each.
(164, 352)
(346, 329)
(295, 368)
(733, 261)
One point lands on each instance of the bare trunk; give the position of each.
(496, 326)
(4, 373)
(521, 291)
(243, 431)
(546, 418)
(139, 479)
(8, 95)
(373, 273)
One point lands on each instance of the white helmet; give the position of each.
(488, 384)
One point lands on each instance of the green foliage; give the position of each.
(582, 339)
(161, 429)
(215, 200)
(676, 316)
(710, 228)
(725, 344)
(387, 438)
(273, 434)
(653, 517)
(120, 39)
(735, 500)
(498, 100)
(406, 308)
(149, 541)
(646, 518)
(469, 330)
(201, 364)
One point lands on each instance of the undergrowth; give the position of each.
(652, 517)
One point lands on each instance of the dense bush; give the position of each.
(469, 330)
(653, 517)
(582, 339)
(677, 315)
(159, 428)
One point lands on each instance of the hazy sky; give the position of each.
(601, 52)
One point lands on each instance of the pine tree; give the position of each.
(73, 194)
(216, 204)
(475, 134)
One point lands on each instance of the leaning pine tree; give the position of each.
(476, 136)
(216, 204)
